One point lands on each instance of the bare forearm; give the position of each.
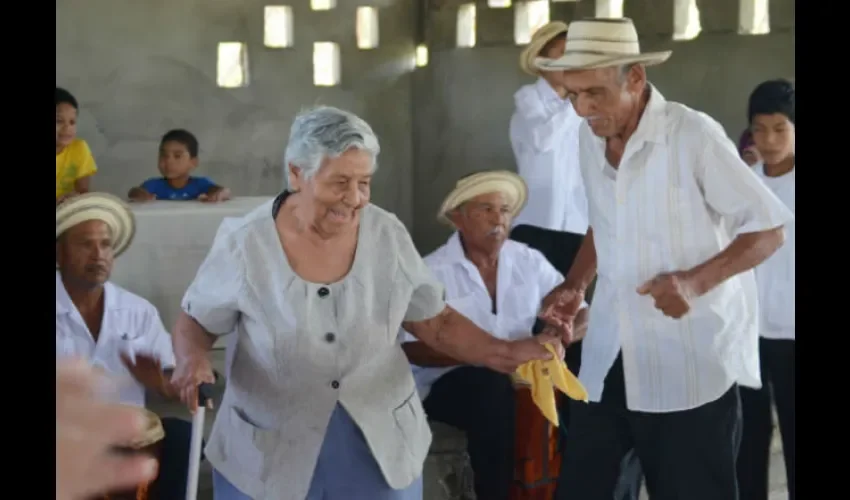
(189, 338)
(421, 354)
(583, 269)
(744, 253)
(454, 335)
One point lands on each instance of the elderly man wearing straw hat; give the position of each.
(112, 328)
(499, 284)
(673, 327)
(544, 138)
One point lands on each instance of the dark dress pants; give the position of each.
(170, 484)
(778, 359)
(481, 403)
(685, 455)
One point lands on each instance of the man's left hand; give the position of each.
(673, 293)
(148, 372)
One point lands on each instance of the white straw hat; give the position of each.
(99, 206)
(495, 181)
(601, 43)
(539, 39)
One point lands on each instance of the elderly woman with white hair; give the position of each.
(321, 402)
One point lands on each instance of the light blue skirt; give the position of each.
(346, 469)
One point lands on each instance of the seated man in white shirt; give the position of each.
(498, 284)
(113, 329)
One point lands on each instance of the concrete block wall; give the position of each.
(464, 97)
(142, 68)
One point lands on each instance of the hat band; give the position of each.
(604, 47)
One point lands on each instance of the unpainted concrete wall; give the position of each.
(139, 68)
(464, 97)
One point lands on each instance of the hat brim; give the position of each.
(103, 207)
(509, 183)
(531, 51)
(573, 61)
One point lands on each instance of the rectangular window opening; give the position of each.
(528, 18)
(498, 4)
(686, 21)
(326, 70)
(232, 65)
(421, 56)
(466, 25)
(278, 26)
(611, 9)
(754, 17)
(367, 28)
(322, 4)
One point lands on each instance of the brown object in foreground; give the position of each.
(537, 452)
(149, 444)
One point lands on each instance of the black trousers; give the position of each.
(560, 249)
(170, 483)
(778, 386)
(481, 403)
(685, 455)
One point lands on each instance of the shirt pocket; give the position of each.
(252, 445)
(412, 424)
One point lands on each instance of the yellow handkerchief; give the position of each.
(544, 377)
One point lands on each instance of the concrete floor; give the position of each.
(165, 409)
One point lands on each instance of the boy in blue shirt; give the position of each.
(178, 156)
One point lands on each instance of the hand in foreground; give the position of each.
(673, 293)
(188, 375)
(519, 352)
(86, 431)
(148, 372)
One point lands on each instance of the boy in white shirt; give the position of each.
(771, 116)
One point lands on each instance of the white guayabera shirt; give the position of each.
(544, 138)
(663, 210)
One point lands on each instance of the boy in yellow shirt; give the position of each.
(74, 161)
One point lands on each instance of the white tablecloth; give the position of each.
(172, 239)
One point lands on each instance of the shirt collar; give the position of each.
(64, 305)
(652, 126)
(506, 274)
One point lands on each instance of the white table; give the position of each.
(172, 240)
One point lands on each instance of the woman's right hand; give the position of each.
(516, 353)
(189, 373)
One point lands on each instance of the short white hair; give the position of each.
(326, 132)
